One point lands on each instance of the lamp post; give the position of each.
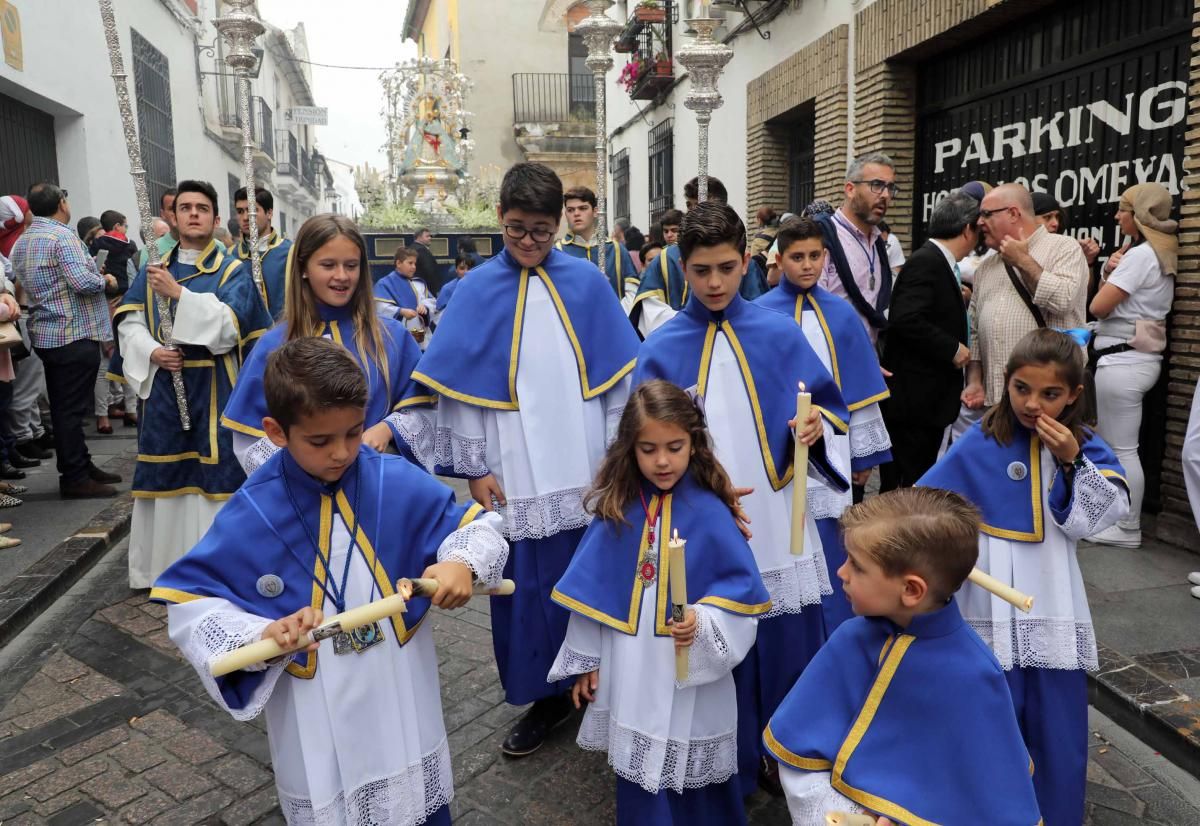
(240, 27)
(705, 59)
(598, 31)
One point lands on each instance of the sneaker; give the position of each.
(1196, 591)
(1117, 537)
(87, 489)
(1194, 577)
(7, 501)
(528, 735)
(102, 476)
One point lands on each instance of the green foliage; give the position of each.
(476, 215)
(393, 216)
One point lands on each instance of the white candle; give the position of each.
(800, 472)
(678, 574)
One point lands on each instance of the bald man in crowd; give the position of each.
(1037, 280)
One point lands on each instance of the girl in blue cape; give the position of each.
(328, 294)
(672, 744)
(1043, 482)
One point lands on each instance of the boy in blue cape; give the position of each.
(274, 251)
(531, 373)
(905, 713)
(836, 335)
(325, 525)
(747, 362)
(183, 477)
(579, 208)
(404, 296)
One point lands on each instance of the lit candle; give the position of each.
(678, 574)
(800, 472)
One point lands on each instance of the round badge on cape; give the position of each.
(1017, 471)
(269, 585)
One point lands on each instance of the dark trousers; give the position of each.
(914, 451)
(70, 384)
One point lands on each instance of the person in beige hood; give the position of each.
(1135, 296)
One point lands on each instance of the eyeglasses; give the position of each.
(517, 232)
(986, 214)
(879, 187)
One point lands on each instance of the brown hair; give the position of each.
(929, 532)
(619, 481)
(1041, 347)
(300, 305)
(310, 374)
(403, 254)
(580, 193)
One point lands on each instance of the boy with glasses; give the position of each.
(530, 373)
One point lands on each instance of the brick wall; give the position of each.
(803, 77)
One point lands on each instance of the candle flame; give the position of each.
(801, 386)
(675, 535)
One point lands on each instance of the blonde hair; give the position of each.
(300, 312)
(930, 532)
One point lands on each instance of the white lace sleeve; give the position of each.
(580, 652)
(480, 546)
(810, 796)
(868, 433)
(722, 641)
(460, 442)
(415, 427)
(1096, 503)
(834, 457)
(206, 629)
(252, 453)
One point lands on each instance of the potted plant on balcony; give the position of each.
(649, 11)
(661, 67)
(630, 73)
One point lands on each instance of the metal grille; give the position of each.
(553, 98)
(802, 176)
(619, 164)
(264, 126)
(29, 155)
(662, 168)
(152, 82)
(234, 185)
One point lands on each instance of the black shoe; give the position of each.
(7, 471)
(87, 489)
(530, 731)
(98, 475)
(768, 777)
(45, 441)
(18, 460)
(32, 450)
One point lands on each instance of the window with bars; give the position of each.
(619, 164)
(234, 184)
(662, 167)
(152, 85)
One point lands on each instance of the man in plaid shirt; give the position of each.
(67, 321)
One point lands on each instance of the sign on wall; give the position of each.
(311, 115)
(10, 28)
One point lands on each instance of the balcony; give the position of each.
(263, 127)
(554, 113)
(287, 165)
(649, 70)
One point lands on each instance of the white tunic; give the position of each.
(792, 581)
(658, 733)
(655, 313)
(543, 455)
(1058, 632)
(165, 528)
(363, 741)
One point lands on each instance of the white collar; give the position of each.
(188, 257)
(949, 256)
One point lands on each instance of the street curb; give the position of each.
(1148, 707)
(34, 590)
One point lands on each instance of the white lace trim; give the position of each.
(415, 428)
(570, 663)
(215, 635)
(709, 657)
(539, 517)
(467, 456)
(1040, 642)
(1093, 497)
(832, 455)
(868, 437)
(810, 796)
(655, 763)
(258, 454)
(797, 585)
(826, 503)
(612, 421)
(404, 799)
(480, 547)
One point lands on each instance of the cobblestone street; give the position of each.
(102, 721)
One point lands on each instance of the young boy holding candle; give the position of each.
(835, 333)
(747, 361)
(905, 713)
(327, 524)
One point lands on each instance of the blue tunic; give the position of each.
(396, 292)
(603, 583)
(401, 516)
(248, 405)
(663, 279)
(473, 358)
(275, 262)
(172, 461)
(446, 293)
(913, 723)
(774, 357)
(618, 266)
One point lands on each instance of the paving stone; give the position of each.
(1120, 767)
(56, 804)
(240, 773)
(252, 808)
(155, 609)
(1165, 806)
(66, 778)
(203, 808)
(138, 755)
(95, 687)
(68, 704)
(62, 667)
(1116, 799)
(99, 743)
(178, 780)
(76, 815)
(160, 725)
(19, 779)
(147, 807)
(194, 747)
(113, 789)
(13, 805)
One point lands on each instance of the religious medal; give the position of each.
(872, 279)
(342, 644)
(366, 636)
(269, 585)
(1017, 471)
(648, 570)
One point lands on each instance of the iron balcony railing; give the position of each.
(553, 98)
(286, 163)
